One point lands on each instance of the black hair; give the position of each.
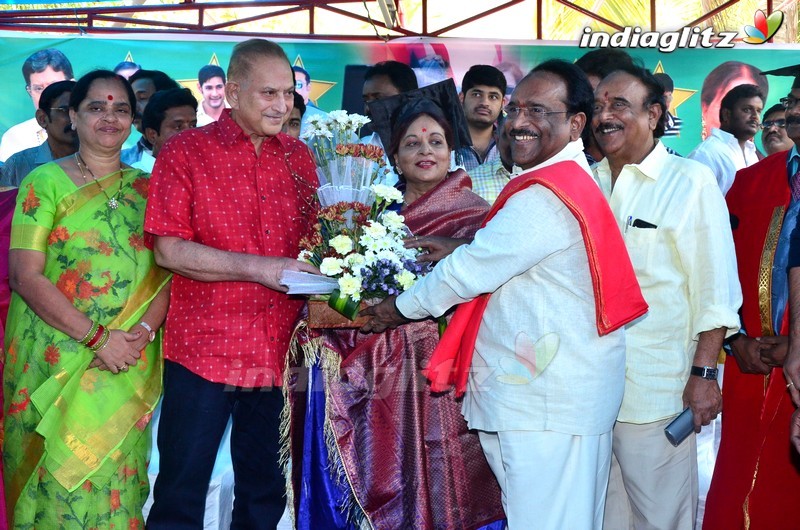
(39, 61)
(738, 93)
(52, 93)
(299, 104)
(401, 75)
(483, 74)
(210, 71)
(409, 113)
(301, 70)
(665, 80)
(161, 80)
(126, 65)
(580, 97)
(777, 107)
(82, 86)
(602, 62)
(163, 100)
(654, 95)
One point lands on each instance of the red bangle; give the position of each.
(97, 335)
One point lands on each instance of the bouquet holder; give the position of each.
(336, 312)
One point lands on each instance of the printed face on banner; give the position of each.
(213, 91)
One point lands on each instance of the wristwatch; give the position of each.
(706, 372)
(150, 330)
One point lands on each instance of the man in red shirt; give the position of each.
(228, 204)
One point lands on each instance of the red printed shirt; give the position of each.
(209, 186)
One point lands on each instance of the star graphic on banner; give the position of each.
(318, 87)
(679, 95)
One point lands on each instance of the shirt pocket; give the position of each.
(641, 243)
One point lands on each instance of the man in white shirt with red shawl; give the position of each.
(544, 290)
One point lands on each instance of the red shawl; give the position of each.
(618, 299)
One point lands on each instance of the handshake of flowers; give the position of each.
(361, 247)
(357, 243)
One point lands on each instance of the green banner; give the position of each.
(433, 60)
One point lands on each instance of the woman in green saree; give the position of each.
(83, 372)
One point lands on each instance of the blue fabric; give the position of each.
(320, 497)
(782, 260)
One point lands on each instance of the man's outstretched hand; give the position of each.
(384, 315)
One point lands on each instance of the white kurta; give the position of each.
(531, 256)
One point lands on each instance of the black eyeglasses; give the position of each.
(780, 124)
(788, 102)
(534, 113)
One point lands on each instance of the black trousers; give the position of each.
(194, 413)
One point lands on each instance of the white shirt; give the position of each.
(21, 136)
(532, 257)
(686, 268)
(721, 152)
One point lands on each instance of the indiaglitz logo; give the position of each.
(688, 37)
(765, 27)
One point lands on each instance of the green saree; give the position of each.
(76, 438)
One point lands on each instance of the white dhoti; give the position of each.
(550, 480)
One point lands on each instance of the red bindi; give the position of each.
(110, 97)
(424, 129)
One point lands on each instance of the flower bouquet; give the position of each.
(356, 243)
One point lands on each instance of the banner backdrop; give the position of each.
(433, 60)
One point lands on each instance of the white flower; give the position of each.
(405, 279)
(305, 255)
(354, 260)
(330, 266)
(392, 220)
(375, 230)
(338, 116)
(350, 285)
(387, 193)
(341, 244)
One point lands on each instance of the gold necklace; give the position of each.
(112, 202)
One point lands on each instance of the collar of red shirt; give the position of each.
(231, 132)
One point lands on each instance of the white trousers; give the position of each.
(550, 480)
(653, 485)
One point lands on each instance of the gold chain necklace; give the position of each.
(112, 202)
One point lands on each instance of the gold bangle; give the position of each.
(92, 330)
(102, 342)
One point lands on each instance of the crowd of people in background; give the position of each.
(599, 285)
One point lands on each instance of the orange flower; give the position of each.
(105, 249)
(115, 501)
(68, 282)
(51, 355)
(142, 186)
(87, 486)
(31, 202)
(20, 406)
(134, 524)
(127, 472)
(137, 242)
(59, 233)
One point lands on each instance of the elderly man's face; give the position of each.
(535, 137)
(261, 101)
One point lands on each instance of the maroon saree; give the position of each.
(406, 454)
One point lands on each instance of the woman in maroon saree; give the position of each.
(393, 454)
